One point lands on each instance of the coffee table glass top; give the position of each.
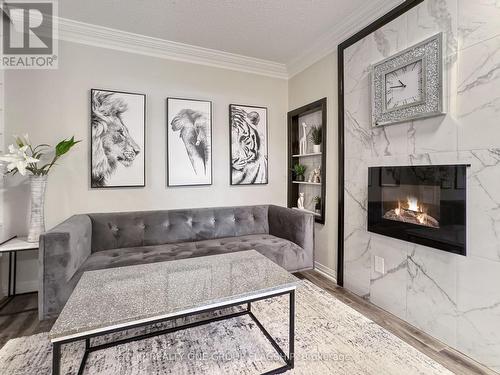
(120, 297)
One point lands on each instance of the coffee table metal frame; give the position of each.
(7, 247)
(288, 359)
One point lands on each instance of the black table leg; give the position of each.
(10, 293)
(291, 332)
(15, 274)
(56, 359)
(289, 360)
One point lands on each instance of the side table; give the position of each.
(12, 247)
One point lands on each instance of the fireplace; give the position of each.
(419, 204)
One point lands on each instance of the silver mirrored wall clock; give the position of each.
(409, 84)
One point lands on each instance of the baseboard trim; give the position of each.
(326, 271)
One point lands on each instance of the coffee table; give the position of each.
(118, 299)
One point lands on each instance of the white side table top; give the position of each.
(18, 243)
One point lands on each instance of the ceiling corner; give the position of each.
(328, 43)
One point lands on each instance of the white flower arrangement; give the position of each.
(23, 157)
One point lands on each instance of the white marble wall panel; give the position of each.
(431, 292)
(478, 101)
(453, 298)
(432, 17)
(479, 310)
(356, 194)
(434, 134)
(478, 21)
(390, 140)
(358, 131)
(371, 49)
(357, 262)
(388, 290)
(483, 209)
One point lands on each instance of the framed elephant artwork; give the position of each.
(189, 142)
(118, 121)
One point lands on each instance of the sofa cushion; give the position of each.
(148, 228)
(281, 251)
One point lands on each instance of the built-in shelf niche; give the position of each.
(312, 114)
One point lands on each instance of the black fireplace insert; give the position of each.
(420, 204)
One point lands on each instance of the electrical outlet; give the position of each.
(379, 265)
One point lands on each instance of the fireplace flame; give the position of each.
(413, 204)
(412, 211)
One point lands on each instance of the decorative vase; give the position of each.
(37, 220)
(300, 177)
(317, 149)
(300, 201)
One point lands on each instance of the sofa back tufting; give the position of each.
(146, 228)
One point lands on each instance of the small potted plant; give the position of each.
(316, 136)
(299, 170)
(317, 204)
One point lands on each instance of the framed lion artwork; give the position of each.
(118, 121)
(248, 153)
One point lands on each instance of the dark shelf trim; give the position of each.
(292, 135)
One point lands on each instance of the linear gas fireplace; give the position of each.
(419, 204)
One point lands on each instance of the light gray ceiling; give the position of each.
(276, 30)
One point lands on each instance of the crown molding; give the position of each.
(328, 43)
(100, 36)
(105, 37)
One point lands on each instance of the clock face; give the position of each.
(404, 86)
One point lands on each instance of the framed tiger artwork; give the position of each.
(249, 145)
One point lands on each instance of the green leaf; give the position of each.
(65, 145)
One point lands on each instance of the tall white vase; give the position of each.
(37, 219)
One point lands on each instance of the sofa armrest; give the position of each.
(62, 251)
(295, 226)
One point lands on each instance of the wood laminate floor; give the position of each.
(14, 324)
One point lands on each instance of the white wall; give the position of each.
(316, 82)
(51, 105)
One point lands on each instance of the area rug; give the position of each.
(331, 338)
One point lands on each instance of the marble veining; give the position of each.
(478, 100)
(431, 17)
(478, 21)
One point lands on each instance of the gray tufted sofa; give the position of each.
(98, 241)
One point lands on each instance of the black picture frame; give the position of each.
(231, 178)
(167, 151)
(385, 19)
(94, 184)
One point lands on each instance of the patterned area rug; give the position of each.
(331, 338)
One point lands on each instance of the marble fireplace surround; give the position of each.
(453, 298)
